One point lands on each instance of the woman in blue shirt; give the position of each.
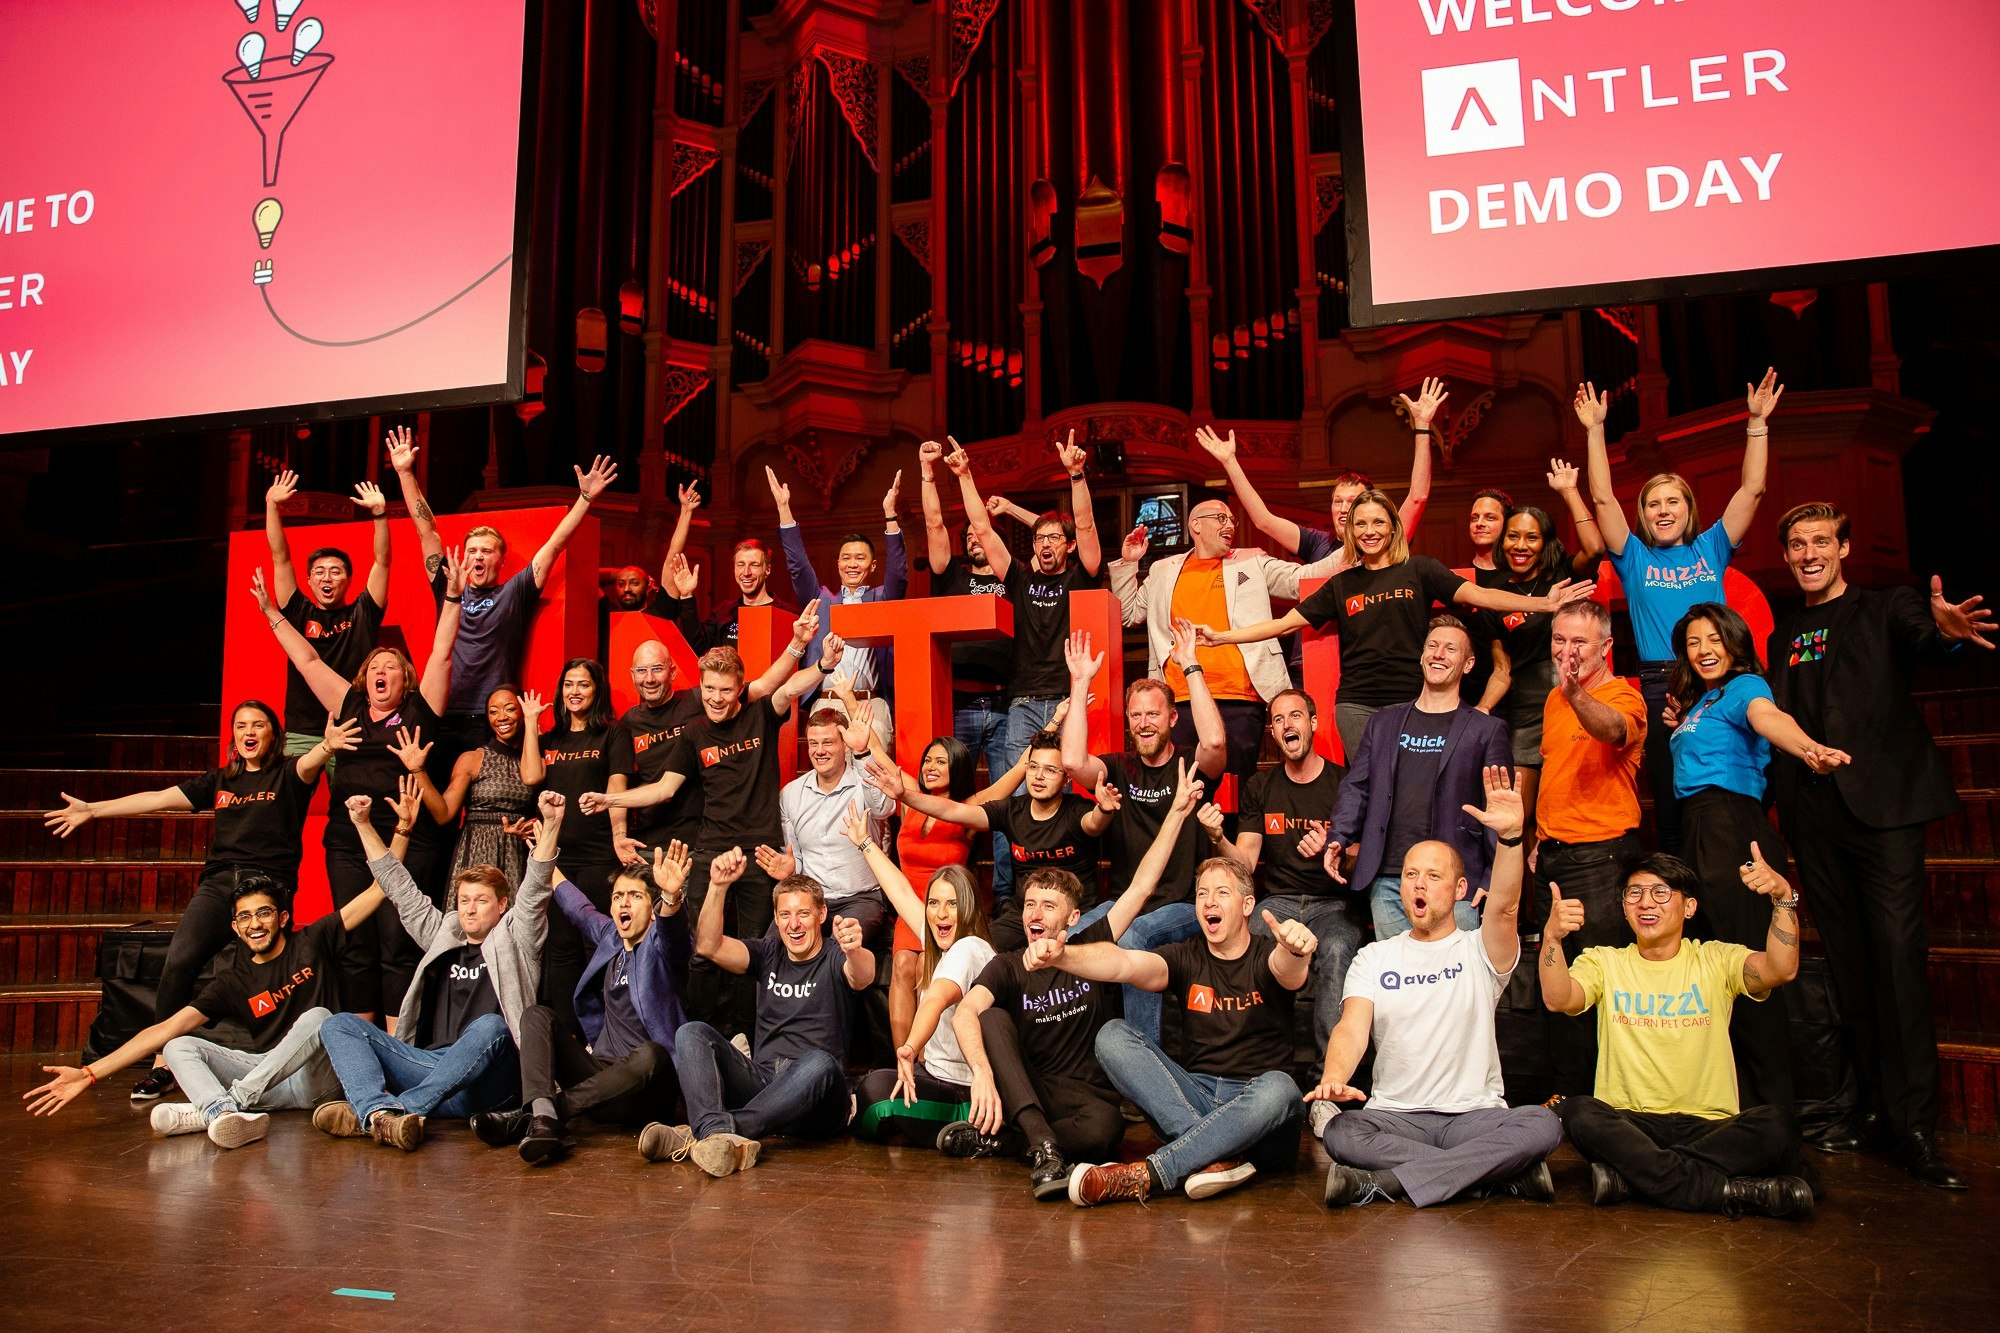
(1673, 563)
(1724, 726)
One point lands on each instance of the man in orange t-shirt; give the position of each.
(1587, 815)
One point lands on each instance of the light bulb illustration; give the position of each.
(266, 219)
(286, 8)
(249, 8)
(251, 52)
(306, 38)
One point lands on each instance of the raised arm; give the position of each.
(284, 582)
(1084, 767)
(859, 966)
(806, 587)
(1561, 993)
(75, 813)
(683, 525)
(1782, 730)
(1223, 450)
(1591, 409)
(1146, 878)
(369, 496)
(339, 736)
(403, 458)
(323, 680)
(937, 539)
(1779, 962)
(589, 485)
(1589, 541)
(436, 683)
(1098, 962)
(889, 779)
(1089, 550)
(1499, 918)
(533, 767)
(709, 941)
(803, 682)
(1292, 947)
(895, 884)
(1604, 723)
(895, 555)
(997, 554)
(1761, 399)
(1211, 741)
(1423, 410)
(804, 629)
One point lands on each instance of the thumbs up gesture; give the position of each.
(1565, 915)
(1292, 936)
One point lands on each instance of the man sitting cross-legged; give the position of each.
(792, 1082)
(629, 1005)
(1232, 1108)
(453, 1052)
(1437, 1123)
(1664, 1124)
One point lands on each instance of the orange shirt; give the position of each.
(1198, 596)
(1590, 790)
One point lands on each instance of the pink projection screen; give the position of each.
(1514, 155)
(255, 210)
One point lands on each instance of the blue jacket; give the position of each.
(661, 956)
(807, 588)
(1368, 792)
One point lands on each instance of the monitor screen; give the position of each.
(1164, 514)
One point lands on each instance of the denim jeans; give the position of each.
(294, 1075)
(1202, 1119)
(478, 1072)
(1162, 925)
(1385, 904)
(980, 723)
(1336, 923)
(728, 1093)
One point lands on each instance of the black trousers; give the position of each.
(1660, 757)
(1083, 1116)
(1865, 890)
(202, 933)
(883, 1115)
(1683, 1161)
(379, 958)
(565, 952)
(1716, 832)
(721, 999)
(1591, 873)
(635, 1089)
(1243, 730)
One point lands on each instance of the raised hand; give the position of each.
(402, 453)
(592, 483)
(847, 934)
(410, 748)
(1082, 663)
(1219, 448)
(1562, 476)
(690, 496)
(342, 735)
(1504, 812)
(261, 593)
(830, 650)
(1133, 548)
(1761, 398)
(1823, 759)
(1565, 592)
(807, 625)
(884, 777)
(997, 506)
(929, 454)
(1187, 791)
(1184, 641)
(1960, 621)
(958, 460)
(1292, 936)
(282, 488)
(1045, 952)
(59, 1091)
(889, 497)
(369, 496)
(854, 823)
(671, 865)
(1328, 1091)
(1569, 673)
(727, 868)
(1424, 406)
(1109, 797)
(553, 807)
(532, 708)
(683, 578)
(1070, 454)
(780, 492)
(1210, 817)
(1760, 877)
(73, 816)
(409, 798)
(1312, 842)
(1591, 406)
(1565, 915)
(454, 573)
(1330, 861)
(860, 730)
(358, 808)
(776, 864)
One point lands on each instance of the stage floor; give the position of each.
(105, 1224)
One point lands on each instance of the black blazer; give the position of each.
(1368, 792)
(1875, 637)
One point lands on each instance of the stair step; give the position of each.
(38, 789)
(1964, 972)
(1973, 711)
(1969, 1083)
(139, 888)
(47, 1019)
(162, 837)
(1974, 760)
(46, 950)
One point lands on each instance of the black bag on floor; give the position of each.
(130, 960)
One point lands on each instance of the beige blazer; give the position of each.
(1250, 578)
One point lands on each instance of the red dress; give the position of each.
(922, 853)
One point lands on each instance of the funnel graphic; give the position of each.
(273, 100)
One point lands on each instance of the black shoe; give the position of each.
(501, 1129)
(1767, 1196)
(1918, 1154)
(1855, 1133)
(1048, 1173)
(545, 1142)
(962, 1138)
(1535, 1183)
(1607, 1186)
(159, 1081)
(1346, 1185)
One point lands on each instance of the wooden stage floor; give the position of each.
(102, 1224)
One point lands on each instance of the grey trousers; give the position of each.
(294, 1075)
(1438, 1155)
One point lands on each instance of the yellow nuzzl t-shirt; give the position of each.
(1663, 1028)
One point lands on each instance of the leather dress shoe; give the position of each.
(1918, 1155)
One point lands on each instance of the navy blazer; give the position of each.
(661, 956)
(1368, 792)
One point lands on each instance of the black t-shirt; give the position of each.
(457, 990)
(1041, 626)
(370, 770)
(1805, 656)
(640, 747)
(1057, 1015)
(1485, 627)
(800, 1006)
(267, 998)
(580, 761)
(1055, 843)
(1419, 752)
(1282, 810)
(1149, 794)
(1524, 634)
(978, 666)
(622, 1032)
(343, 636)
(1239, 1019)
(1380, 615)
(259, 817)
(736, 763)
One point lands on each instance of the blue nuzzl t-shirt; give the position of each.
(1716, 746)
(1662, 582)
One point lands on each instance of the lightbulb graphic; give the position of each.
(249, 8)
(266, 219)
(286, 8)
(251, 52)
(306, 38)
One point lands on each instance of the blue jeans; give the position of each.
(727, 1093)
(292, 1076)
(980, 723)
(1385, 903)
(1202, 1119)
(1336, 923)
(1162, 925)
(478, 1072)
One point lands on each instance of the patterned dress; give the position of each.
(496, 794)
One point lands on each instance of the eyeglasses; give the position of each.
(1659, 893)
(646, 671)
(260, 914)
(1218, 518)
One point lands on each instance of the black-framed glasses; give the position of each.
(259, 914)
(1659, 893)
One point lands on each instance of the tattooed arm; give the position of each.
(1779, 962)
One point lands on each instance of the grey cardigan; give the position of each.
(513, 950)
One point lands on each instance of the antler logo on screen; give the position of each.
(1473, 108)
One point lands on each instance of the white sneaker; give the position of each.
(233, 1129)
(177, 1118)
(1319, 1117)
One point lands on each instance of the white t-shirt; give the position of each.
(1433, 1032)
(961, 965)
